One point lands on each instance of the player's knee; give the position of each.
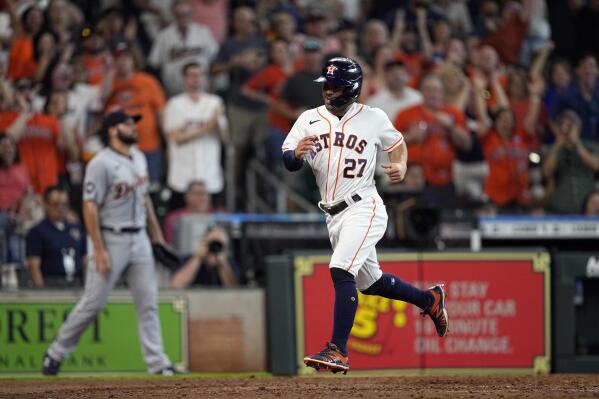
(338, 275)
(375, 288)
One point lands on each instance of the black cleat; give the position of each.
(168, 371)
(437, 310)
(49, 365)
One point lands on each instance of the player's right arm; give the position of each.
(90, 217)
(94, 189)
(296, 145)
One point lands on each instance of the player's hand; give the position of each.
(102, 261)
(304, 146)
(395, 171)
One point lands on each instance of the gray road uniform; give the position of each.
(118, 184)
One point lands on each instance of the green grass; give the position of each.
(128, 376)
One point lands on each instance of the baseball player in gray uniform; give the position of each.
(117, 210)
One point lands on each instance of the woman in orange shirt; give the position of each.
(507, 155)
(21, 61)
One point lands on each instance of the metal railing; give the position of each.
(260, 180)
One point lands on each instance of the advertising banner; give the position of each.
(110, 343)
(498, 306)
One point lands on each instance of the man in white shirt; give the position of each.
(195, 126)
(392, 99)
(180, 43)
(396, 95)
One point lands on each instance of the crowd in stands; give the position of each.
(498, 101)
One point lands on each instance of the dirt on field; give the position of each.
(443, 387)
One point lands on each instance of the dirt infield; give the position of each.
(443, 387)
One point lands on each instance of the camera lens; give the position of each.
(215, 247)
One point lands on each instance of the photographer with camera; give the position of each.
(210, 266)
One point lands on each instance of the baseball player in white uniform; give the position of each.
(117, 210)
(340, 141)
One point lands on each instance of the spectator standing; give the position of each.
(14, 195)
(14, 180)
(284, 27)
(21, 62)
(56, 248)
(56, 106)
(525, 102)
(507, 155)
(214, 14)
(37, 135)
(395, 96)
(583, 97)
(297, 93)
(510, 32)
(265, 87)
(210, 265)
(570, 166)
(181, 42)
(241, 56)
(139, 93)
(560, 79)
(433, 131)
(317, 27)
(197, 200)
(195, 127)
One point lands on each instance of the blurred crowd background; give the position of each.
(498, 102)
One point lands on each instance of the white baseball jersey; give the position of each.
(343, 163)
(198, 159)
(344, 158)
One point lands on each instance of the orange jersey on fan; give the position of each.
(414, 65)
(269, 80)
(140, 95)
(94, 65)
(520, 108)
(37, 148)
(507, 180)
(21, 63)
(436, 152)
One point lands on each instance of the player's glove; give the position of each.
(166, 256)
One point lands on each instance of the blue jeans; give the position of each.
(11, 245)
(154, 160)
(274, 142)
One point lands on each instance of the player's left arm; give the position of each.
(398, 163)
(392, 142)
(154, 230)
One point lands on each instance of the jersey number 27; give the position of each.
(351, 165)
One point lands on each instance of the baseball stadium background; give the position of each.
(512, 231)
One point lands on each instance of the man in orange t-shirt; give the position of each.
(37, 146)
(139, 93)
(432, 131)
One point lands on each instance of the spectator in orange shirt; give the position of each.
(525, 102)
(21, 62)
(139, 93)
(37, 137)
(265, 86)
(510, 32)
(432, 132)
(507, 155)
(92, 52)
